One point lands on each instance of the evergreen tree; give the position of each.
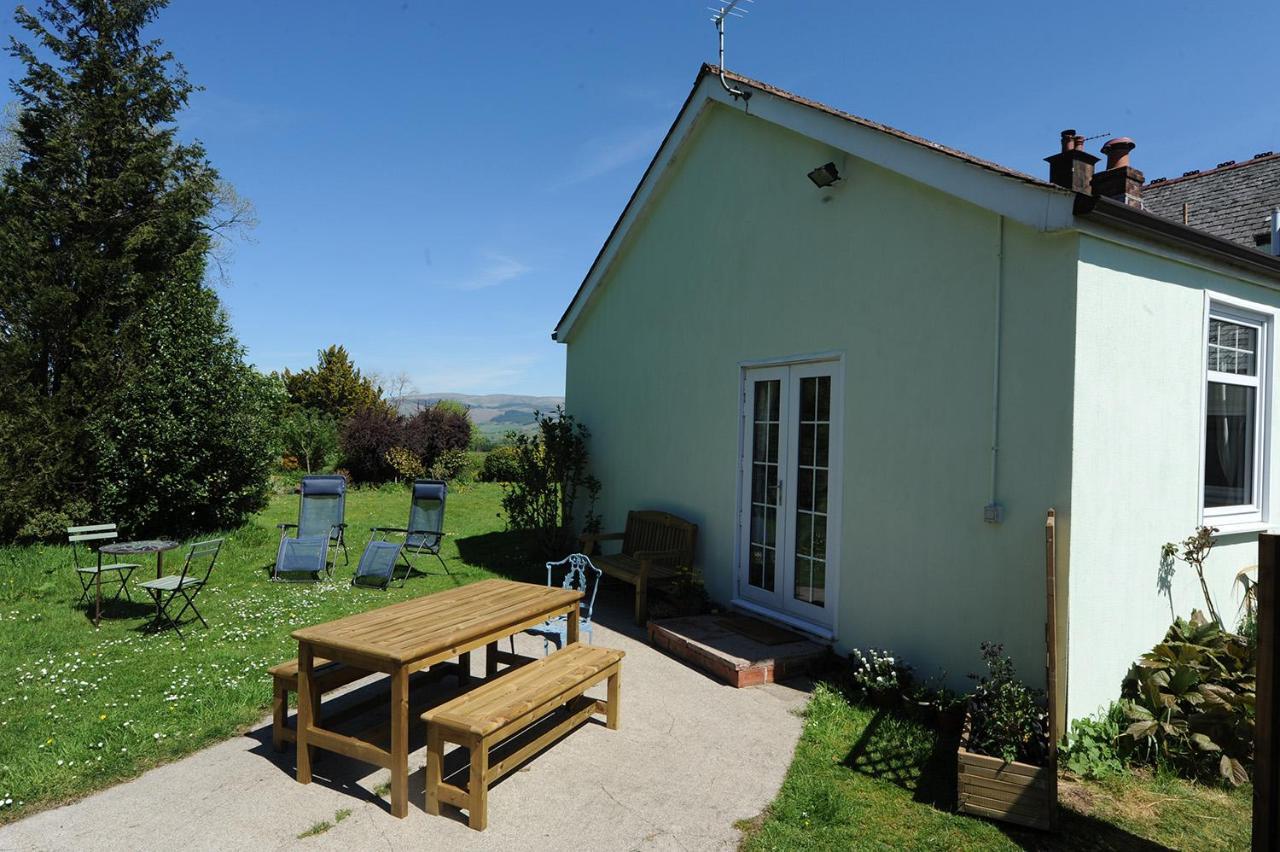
(104, 234)
(334, 386)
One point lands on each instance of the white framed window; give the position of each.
(1236, 415)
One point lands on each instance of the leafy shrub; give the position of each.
(367, 436)
(1092, 748)
(501, 464)
(404, 463)
(1190, 702)
(878, 672)
(436, 430)
(551, 472)
(1007, 719)
(450, 464)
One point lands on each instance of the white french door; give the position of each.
(789, 506)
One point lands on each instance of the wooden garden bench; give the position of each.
(329, 676)
(655, 546)
(505, 706)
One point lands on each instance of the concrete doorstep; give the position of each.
(692, 756)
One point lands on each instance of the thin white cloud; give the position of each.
(501, 374)
(602, 155)
(497, 269)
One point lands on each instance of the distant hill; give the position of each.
(493, 414)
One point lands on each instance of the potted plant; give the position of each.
(880, 676)
(1004, 762)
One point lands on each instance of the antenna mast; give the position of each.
(725, 11)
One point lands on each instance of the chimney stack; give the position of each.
(1072, 167)
(1120, 180)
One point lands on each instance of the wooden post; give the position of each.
(1266, 766)
(1051, 659)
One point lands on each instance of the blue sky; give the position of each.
(433, 178)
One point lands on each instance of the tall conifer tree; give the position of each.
(104, 237)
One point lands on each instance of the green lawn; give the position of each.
(82, 709)
(866, 780)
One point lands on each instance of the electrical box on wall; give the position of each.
(993, 513)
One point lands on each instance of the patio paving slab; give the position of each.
(692, 757)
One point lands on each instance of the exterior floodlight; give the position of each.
(824, 176)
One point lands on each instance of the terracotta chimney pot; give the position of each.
(1117, 151)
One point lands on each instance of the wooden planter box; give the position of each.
(1012, 792)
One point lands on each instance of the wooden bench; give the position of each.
(505, 706)
(329, 676)
(655, 546)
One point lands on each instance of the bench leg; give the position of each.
(279, 714)
(464, 669)
(435, 762)
(642, 601)
(478, 785)
(615, 691)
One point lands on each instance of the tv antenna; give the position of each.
(728, 10)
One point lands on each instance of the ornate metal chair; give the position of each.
(582, 575)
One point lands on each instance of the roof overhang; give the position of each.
(1019, 197)
(1122, 217)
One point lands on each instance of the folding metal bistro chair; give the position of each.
(90, 570)
(580, 574)
(425, 531)
(200, 557)
(321, 525)
(377, 566)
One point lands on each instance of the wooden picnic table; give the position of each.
(411, 636)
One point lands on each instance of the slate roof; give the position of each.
(1233, 201)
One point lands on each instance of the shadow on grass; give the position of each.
(917, 759)
(508, 553)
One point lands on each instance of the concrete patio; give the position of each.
(692, 757)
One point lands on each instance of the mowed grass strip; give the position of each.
(81, 709)
(862, 779)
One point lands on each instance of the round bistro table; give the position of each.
(157, 546)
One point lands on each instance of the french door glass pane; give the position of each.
(813, 424)
(1229, 440)
(765, 433)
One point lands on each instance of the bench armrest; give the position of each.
(588, 541)
(388, 529)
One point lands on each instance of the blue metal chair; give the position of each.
(425, 531)
(321, 525)
(377, 566)
(583, 576)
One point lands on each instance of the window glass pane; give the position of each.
(820, 491)
(824, 397)
(1229, 441)
(773, 443)
(1233, 348)
(804, 579)
(804, 489)
(807, 433)
(769, 557)
(808, 400)
(804, 533)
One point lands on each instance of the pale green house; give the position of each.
(868, 394)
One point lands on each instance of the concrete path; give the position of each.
(692, 757)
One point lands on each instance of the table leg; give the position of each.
(306, 712)
(571, 627)
(400, 743)
(159, 574)
(97, 610)
(490, 659)
(464, 669)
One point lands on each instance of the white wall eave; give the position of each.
(1036, 205)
